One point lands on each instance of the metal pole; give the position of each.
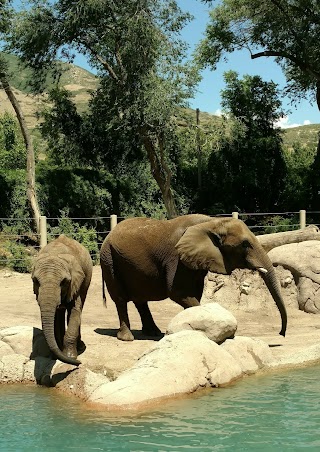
(302, 215)
(43, 231)
(113, 221)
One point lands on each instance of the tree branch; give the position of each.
(301, 64)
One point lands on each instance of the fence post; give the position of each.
(113, 221)
(43, 230)
(302, 215)
(235, 215)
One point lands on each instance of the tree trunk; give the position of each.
(160, 170)
(270, 241)
(31, 190)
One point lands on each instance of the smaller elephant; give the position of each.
(61, 278)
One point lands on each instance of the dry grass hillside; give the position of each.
(81, 82)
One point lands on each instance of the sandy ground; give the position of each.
(106, 354)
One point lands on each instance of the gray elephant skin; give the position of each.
(61, 277)
(147, 259)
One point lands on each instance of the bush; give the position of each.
(84, 235)
(15, 256)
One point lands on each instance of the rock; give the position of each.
(303, 261)
(212, 319)
(5, 349)
(12, 368)
(25, 340)
(179, 363)
(245, 290)
(251, 354)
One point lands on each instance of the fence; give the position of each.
(93, 236)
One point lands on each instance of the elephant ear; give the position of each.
(198, 248)
(77, 275)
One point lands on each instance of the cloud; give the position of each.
(284, 123)
(218, 112)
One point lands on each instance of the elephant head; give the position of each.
(56, 281)
(221, 245)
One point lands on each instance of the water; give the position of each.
(278, 412)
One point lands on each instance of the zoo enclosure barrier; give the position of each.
(101, 226)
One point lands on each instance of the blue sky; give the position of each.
(208, 96)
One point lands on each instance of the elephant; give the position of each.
(145, 259)
(61, 277)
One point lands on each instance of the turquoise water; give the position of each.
(271, 413)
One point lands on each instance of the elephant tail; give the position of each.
(104, 292)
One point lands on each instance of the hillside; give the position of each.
(75, 79)
(81, 82)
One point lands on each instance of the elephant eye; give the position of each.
(65, 282)
(246, 244)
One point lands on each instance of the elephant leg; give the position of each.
(149, 328)
(124, 333)
(187, 302)
(60, 326)
(72, 336)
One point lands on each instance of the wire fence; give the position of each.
(19, 245)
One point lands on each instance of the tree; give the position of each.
(6, 15)
(247, 170)
(135, 47)
(287, 30)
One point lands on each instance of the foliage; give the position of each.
(278, 223)
(85, 235)
(12, 149)
(15, 256)
(136, 49)
(13, 194)
(296, 192)
(246, 167)
(287, 30)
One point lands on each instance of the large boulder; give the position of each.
(25, 340)
(244, 290)
(179, 363)
(212, 319)
(303, 261)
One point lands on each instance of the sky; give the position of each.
(208, 97)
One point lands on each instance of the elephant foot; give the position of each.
(154, 332)
(81, 346)
(70, 351)
(124, 334)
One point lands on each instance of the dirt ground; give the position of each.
(106, 354)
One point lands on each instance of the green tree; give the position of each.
(298, 182)
(136, 49)
(247, 169)
(6, 18)
(12, 149)
(287, 30)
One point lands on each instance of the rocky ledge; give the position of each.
(200, 350)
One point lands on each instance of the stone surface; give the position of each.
(25, 340)
(251, 354)
(212, 319)
(303, 261)
(246, 291)
(107, 356)
(180, 363)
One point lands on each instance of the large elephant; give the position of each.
(146, 259)
(61, 277)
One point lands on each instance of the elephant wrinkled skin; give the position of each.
(61, 277)
(146, 259)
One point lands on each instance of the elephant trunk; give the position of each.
(47, 319)
(273, 285)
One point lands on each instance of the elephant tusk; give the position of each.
(262, 270)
